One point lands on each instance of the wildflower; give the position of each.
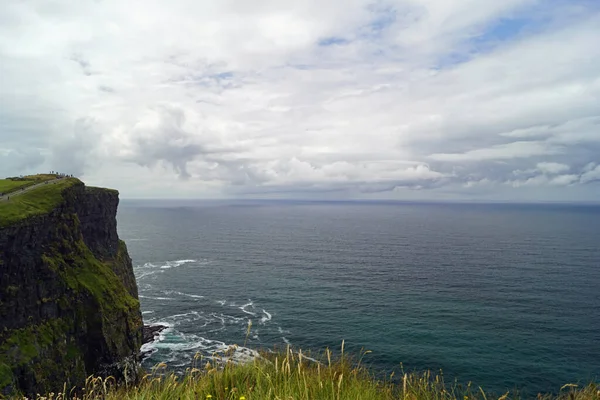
(209, 396)
(243, 398)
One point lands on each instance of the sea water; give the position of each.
(505, 296)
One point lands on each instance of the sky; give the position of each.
(463, 100)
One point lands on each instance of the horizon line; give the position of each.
(399, 201)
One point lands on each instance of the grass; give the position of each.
(9, 186)
(291, 375)
(37, 201)
(13, 184)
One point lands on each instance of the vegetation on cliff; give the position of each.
(41, 200)
(10, 185)
(291, 375)
(68, 298)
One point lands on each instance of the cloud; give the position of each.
(591, 174)
(551, 167)
(19, 161)
(499, 152)
(76, 151)
(353, 98)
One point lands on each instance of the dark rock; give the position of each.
(68, 297)
(151, 332)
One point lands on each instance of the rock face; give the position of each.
(68, 297)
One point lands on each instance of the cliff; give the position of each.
(68, 296)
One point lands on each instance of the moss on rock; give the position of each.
(68, 305)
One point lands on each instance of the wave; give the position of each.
(164, 264)
(151, 347)
(196, 330)
(146, 265)
(266, 317)
(230, 318)
(194, 296)
(151, 268)
(250, 304)
(155, 298)
(283, 332)
(191, 316)
(143, 275)
(183, 349)
(177, 263)
(202, 320)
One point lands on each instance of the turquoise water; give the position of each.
(505, 296)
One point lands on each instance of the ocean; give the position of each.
(505, 296)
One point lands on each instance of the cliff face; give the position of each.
(68, 296)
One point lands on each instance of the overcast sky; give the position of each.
(330, 99)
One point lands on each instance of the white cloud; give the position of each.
(353, 96)
(499, 152)
(563, 180)
(551, 167)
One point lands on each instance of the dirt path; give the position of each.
(19, 192)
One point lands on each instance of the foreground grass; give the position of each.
(290, 375)
(37, 201)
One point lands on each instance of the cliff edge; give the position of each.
(68, 297)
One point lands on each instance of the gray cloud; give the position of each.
(386, 99)
(14, 162)
(74, 152)
(165, 136)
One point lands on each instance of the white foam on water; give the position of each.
(250, 304)
(155, 298)
(222, 302)
(191, 316)
(231, 318)
(282, 331)
(145, 274)
(266, 317)
(181, 262)
(193, 296)
(182, 348)
(152, 347)
(175, 264)
(147, 312)
(149, 265)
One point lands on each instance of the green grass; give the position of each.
(14, 184)
(290, 375)
(37, 201)
(7, 185)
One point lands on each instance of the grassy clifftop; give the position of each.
(35, 201)
(10, 185)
